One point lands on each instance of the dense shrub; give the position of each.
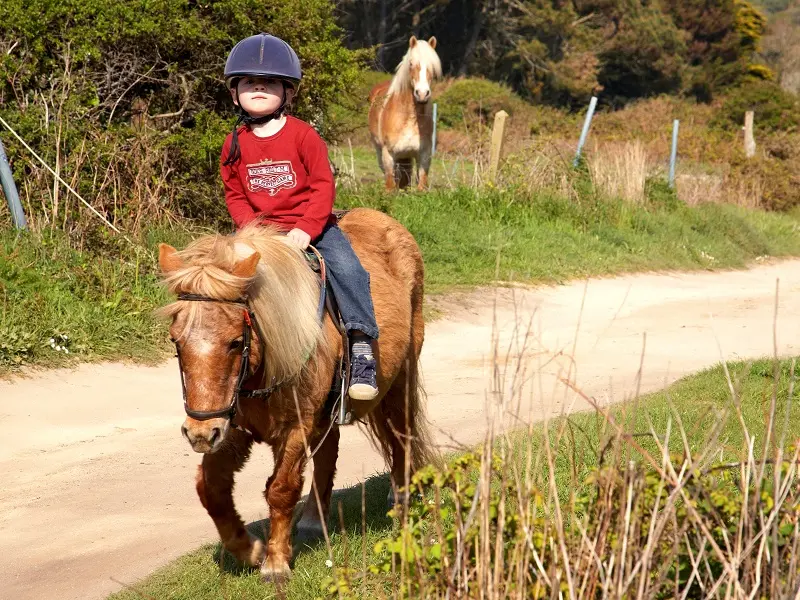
(127, 98)
(775, 109)
(475, 99)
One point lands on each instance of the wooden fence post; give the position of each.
(498, 134)
(749, 140)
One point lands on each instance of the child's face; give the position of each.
(259, 96)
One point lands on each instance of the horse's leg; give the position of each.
(388, 168)
(215, 488)
(310, 524)
(283, 491)
(423, 167)
(404, 166)
(379, 155)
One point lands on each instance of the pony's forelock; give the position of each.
(283, 294)
(423, 52)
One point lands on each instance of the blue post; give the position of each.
(10, 190)
(585, 131)
(435, 112)
(673, 153)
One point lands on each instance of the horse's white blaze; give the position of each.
(202, 347)
(423, 86)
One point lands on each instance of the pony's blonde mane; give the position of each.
(283, 295)
(422, 52)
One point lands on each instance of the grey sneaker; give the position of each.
(363, 378)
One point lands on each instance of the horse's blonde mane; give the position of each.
(283, 295)
(423, 52)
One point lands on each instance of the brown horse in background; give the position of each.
(250, 300)
(401, 116)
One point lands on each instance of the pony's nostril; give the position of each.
(215, 433)
(184, 432)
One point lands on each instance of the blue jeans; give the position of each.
(349, 281)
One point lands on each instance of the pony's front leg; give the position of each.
(423, 167)
(309, 527)
(215, 489)
(388, 169)
(283, 492)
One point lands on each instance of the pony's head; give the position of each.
(257, 266)
(418, 69)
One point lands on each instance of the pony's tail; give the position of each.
(400, 416)
(400, 421)
(421, 444)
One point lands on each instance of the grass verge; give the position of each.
(97, 304)
(471, 238)
(59, 305)
(699, 434)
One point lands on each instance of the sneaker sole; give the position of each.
(362, 391)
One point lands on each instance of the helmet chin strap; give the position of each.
(235, 152)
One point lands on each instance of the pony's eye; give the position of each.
(235, 344)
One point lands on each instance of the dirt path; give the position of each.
(98, 483)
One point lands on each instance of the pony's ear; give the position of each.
(432, 42)
(412, 42)
(247, 266)
(168, 258)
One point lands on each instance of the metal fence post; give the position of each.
(10, 190)
(585, 131)
(435, 113)
(673, 155)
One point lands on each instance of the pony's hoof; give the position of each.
(275, 572)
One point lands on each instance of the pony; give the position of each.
(401, 116)
(247, 316)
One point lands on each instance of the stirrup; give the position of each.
(343, 415)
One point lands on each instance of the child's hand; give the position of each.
(299, 238)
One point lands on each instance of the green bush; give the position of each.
(775, 109)
(478, 518)
(476, 100)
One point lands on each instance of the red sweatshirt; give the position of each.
(284, 179)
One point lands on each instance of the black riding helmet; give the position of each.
(261, 55)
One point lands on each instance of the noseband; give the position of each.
(248, 324)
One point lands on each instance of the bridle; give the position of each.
(248, 324)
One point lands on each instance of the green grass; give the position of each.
(546, 238)
(701, 401)
(92, 306)
(358, 169)
(102, 300)
(700, 404)
(207, 573)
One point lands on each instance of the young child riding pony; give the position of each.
(275, 170)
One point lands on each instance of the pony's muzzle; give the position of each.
(422, 95)
(205, 436)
